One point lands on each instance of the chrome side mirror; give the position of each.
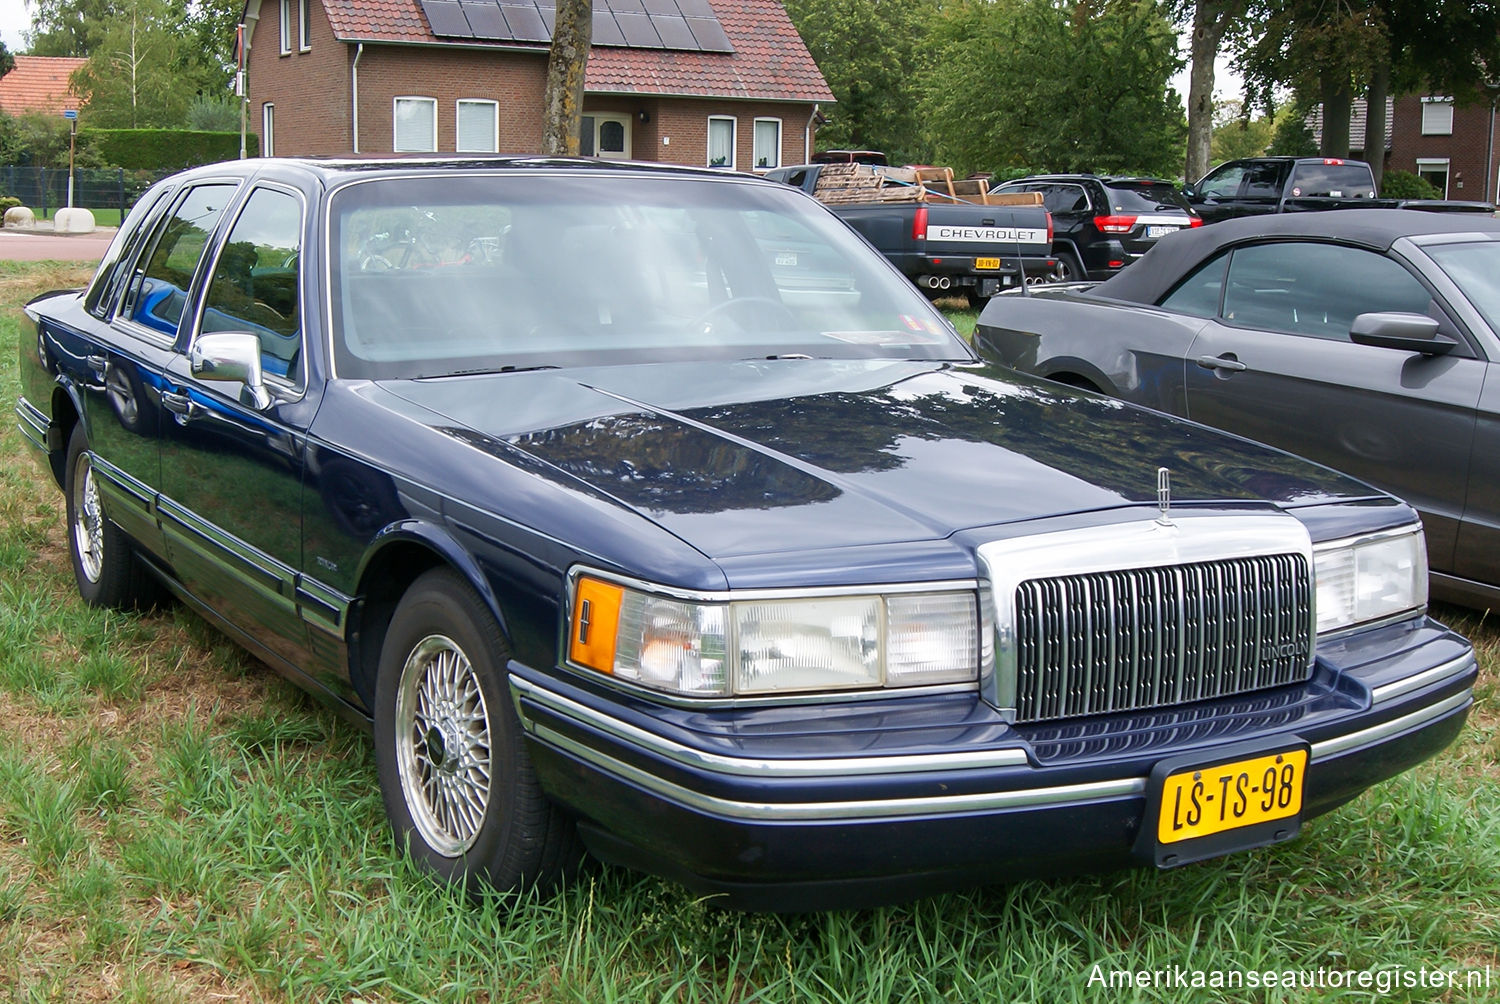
(231, 357)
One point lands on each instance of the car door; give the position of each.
(1215, 195)
(1276, 364)
(124, 369)
(1071, 216)
(231, 472)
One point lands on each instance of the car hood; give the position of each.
(782, 455)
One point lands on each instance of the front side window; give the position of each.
(1223, 183)
(255, 287)
(721, 142)
(416, 125)
(478, 126)
(767, 152)
(441, 276)
(1316, 289)
(158, 292)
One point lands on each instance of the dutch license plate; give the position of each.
(1161, 231)
(986, 262)
(1227, 796)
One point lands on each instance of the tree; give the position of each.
(1000, 95)
(873, 54)
(7, 61)
(562, 102)
(68, 27)
(1209, 22)
(1236, 134)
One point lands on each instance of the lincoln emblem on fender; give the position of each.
(1164, 496)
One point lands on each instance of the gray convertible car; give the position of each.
(1364, 339)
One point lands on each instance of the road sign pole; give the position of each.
(72, 116)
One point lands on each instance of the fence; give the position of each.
(45, 189)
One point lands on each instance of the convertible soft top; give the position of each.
(1174, 256)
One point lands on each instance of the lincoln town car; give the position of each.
(647, 512)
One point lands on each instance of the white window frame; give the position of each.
(395, 139)
(268, 129)
(734, 139)
(1434, 164)
(304, 25)
(754, 135)
(1437, 116)
(458, 133)
(286, 27)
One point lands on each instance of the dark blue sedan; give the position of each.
(650, 511)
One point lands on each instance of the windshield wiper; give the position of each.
(476, 371)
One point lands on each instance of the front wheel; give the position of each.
(105, 565)
(459, 788)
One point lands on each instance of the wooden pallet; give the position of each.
(846, 184)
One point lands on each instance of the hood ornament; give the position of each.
(1164, 496)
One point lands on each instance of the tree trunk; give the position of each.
(1208, 28)
(1375, 123)
(1338, 102)
(562, 103)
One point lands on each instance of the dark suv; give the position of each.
(1101, 224)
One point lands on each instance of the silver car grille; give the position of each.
(1136, 638)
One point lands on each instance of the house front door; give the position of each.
(605, 135)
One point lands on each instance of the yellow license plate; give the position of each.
(986, 262)
(1197, 803)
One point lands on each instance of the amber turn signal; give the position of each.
(595, 623)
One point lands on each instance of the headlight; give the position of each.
(765, 646)
(1370, 579)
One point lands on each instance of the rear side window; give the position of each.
(1263, 181)
(1064, 198)
(158, 290)
(114, 268)
(1199, 293)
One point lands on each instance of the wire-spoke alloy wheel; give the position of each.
(459, 787)
(443, 745)
(88, 519)
(105, 565)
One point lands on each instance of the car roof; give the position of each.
(335, 169)
(1377, 229)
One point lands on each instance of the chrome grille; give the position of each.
(1137, 638)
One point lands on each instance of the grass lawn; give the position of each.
(177, 824)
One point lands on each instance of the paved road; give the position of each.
(23, 245)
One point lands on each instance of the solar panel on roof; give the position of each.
(674, 32)
(638, 31)
(606, 32)
(679, 25)
(485, 20)
(446, 18)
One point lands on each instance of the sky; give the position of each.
(15, 17)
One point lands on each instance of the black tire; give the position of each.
(105, 565)
(1068, 268)
(476, 817)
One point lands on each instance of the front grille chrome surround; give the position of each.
(1142, 615)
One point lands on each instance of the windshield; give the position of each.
(1475, 269)
(1145, 196)
(434, 276)
(1337, 181)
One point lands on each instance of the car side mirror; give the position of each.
(231, 357)
(1388, 329)
(1189, 191)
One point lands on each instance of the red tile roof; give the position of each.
(769, 61)
(39, 84)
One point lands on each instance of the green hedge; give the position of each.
(164, 149)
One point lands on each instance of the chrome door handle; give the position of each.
(1222, 363)
(99, 364)
(184, 407)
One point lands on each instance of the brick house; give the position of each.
(1447, 145)
(675, 81)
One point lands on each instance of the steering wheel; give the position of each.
(752, 304)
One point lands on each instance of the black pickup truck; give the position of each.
(1259, 186)
(954, 248)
